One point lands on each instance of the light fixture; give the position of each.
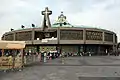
(12, 29)
(22, 26)
(33, 25)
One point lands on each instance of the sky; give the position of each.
(103, 14)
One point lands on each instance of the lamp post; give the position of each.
(33, 33)
(22, 26)
(12, 29)
(33, 25)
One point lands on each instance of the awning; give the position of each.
(12, 44)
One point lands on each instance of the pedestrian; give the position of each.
(81, 54)
(39, 57)
(45, 57)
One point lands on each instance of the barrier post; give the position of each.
(2, 52)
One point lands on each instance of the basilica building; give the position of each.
(61, 36)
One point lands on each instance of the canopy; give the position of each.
(12, 44)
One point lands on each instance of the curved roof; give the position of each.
(62, 25)
(83, 26)
(62, 22)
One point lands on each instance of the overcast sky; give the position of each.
(95, 13)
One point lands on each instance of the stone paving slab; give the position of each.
(62, 73)
(57, 72)
(87, 61)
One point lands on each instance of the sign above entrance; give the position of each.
(48, 39)
(48, 48)
(44, 40)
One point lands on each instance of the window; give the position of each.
(71, 35)
(93, 35)
(108, 37)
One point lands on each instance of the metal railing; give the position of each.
(10, 63)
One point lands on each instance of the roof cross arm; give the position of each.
(46, 12)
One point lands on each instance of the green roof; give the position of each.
(62, 25)
(83, 26)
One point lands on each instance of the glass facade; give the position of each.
(94, 35)
(108, 37)
(9, 37)
(71, 34)
(115, 38)
(31, 49)
(23, 36)
(47, 48)
(69, 49)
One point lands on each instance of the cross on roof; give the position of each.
(46, 20)
(46, 12)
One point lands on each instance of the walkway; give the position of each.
(73, 68)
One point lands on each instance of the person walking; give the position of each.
(45, 57)
(39, 57)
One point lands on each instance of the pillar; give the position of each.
(84, 40)
(14, 36)
(114, 43)
(103, 37)
(2, 52)
(33, 35)
(84, 35)
(58, 35)
(99, 52)
(58, 40)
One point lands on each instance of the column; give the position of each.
(84, 35)
(58, 40)
(14, 36)
(103, 37)
(2, 52)
(33, 35)
(4, 38)
(84, 40)
(99, 52)
(114, 43)
(58, 35)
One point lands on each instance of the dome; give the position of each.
(61, 22)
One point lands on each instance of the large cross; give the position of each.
(46, 21)
(47, 12)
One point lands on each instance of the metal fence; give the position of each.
(31, 59)
(8, 63)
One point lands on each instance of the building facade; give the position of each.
(64, 37)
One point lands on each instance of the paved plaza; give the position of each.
(70, 68)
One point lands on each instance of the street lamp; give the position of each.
(22, 26)
(65, 23)
(33, 25)
(12, 29)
